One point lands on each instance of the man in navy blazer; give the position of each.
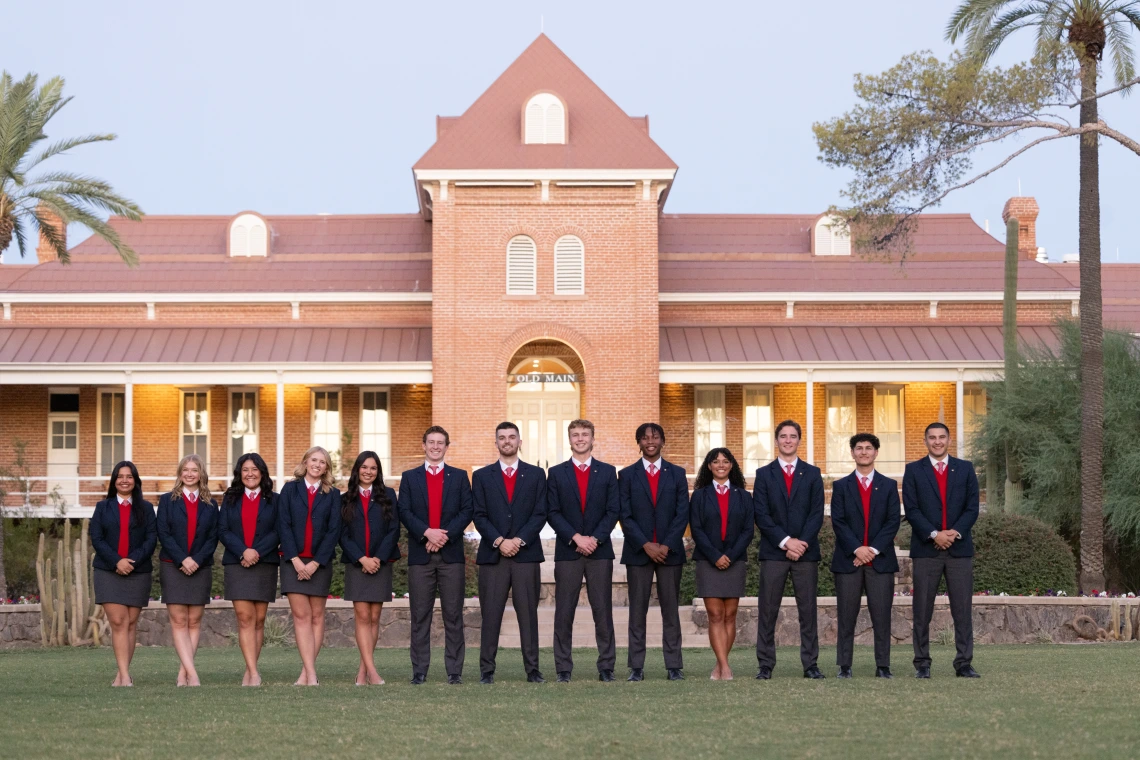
(865, 514)
(434, 504)
(582, 508)
(940, 494)
(509, 497)
(654, 496)
(788, 497)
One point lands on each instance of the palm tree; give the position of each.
(53, 199)
(1088, 29)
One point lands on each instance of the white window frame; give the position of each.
(385, 452)
(833, 243)
(892, 468)
(335, 453)
(518, 257)
(698, 454)
(569, 263)
(230, 419)
(182, 421)
(538, 125)
(771, 433)
(99, 427)
(248, 236)
(968, 390)
(829, 464)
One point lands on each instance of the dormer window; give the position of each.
(545, 120)
(832, 238)
(249, 236)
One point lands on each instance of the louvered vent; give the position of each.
(249, 236)
(545, 120)
(569, 267)
(535, 124)
(521, 264)
(831, 238)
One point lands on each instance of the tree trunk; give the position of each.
(1092, 345)
(1013, 486)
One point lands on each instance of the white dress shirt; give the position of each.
(253, 494)
(646, 463)
(589, 461)
(428, 465)
(784, 468)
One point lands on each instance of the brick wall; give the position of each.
(678, 417)
(411, 415)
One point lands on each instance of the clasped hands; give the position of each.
(189, 566)
(249, 558)
(944, 539)
(125, 566)
(863, 556)
(657, 552)
(509, 547)
(795, 548)
(305, 570)
(436, 539)
(585, 545)
(370, 565)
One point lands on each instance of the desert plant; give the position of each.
(68, 613)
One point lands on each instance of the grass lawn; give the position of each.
(1033, 701)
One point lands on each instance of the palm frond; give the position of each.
(55, 236)
(69, 211)
(21, 239)
(65, 145)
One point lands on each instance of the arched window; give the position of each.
(249, 236)
(832, 238)
(569, 267)
(545, 120)
(522, 261)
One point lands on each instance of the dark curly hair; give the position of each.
(705, 476)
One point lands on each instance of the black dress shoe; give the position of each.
(814, 673)
(605, 675)
(636, 674)
(922, 672)
(563, 676)
(764, 673)
(535, 676)
(455, 679)
(675, 674)
(487, 678)
(418, 678)
(844, 672)
(883, 673)
(968, 672)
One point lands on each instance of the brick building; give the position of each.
(540, 280)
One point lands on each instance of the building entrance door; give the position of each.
(63, 457)
(542, 400)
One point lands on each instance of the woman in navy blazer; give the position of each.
(124, 533)
(188, 534)
(308, 521)
(368, 548)
(721, 520)
(247, 527)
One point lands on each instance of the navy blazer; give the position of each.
(780, 516)
(847, 521)
(564, 509)
(293, 514)
(383, 535)
(923, 504)
(454, 517)
(640, 519)
(704, 522)
(172, 530)
(232, 533)
(521, 517)
(104, 532)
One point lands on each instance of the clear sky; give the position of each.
(291, 107)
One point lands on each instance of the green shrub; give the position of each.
(1019, 554)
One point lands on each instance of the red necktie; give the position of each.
(191, 520)
(124, 528)
(940, 468)
(790, 469)
(651, 472)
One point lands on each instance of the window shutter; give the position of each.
(239, 240)
(257, 240)
(831, 239)
(555, 124)
(535, 124)
(521, 264)
(569, 267)
(545, 118)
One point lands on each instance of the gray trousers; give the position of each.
(880, 590)
(640, 579)
(805, 579)
(568, 575)
(522, 580)
(959, 572)
(424, 582)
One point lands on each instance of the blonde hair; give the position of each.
(327, 479)
(179, 489)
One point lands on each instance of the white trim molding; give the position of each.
(846, 296)
(537, 175)
(760, 373)
(150, 299)
(390, 373)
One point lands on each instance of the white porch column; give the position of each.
(280, 428)
(128, 416)
(810, 418)
(960, 417)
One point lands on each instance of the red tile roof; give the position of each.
(841, 344)
(222, 345)
(489, 134)
(1120, 292)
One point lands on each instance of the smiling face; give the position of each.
(864, 454)
(190, 475)
(316, 465)
(250, 475)
(937, 441)
(367, 473)
(650, 444)
(720, 467)
(788, 441)
(507, 442)
(124, 481)
(435, 447)
(581, 441)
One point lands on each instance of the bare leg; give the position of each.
(246, 615)
(730, 607)
(303, 632)
(119, 617)
(194, 627)
(180, 631)
(715, 609)
(366, 616)
(375, 636)
(317, 607)
(259, 625)
(132, 633)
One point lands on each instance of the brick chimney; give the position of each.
(44, 251)
(1025, 210)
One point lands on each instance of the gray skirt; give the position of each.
(251, 584)
(318, 585)
(132, 590)
(179, 588)
(721, 584)
(359, 586)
